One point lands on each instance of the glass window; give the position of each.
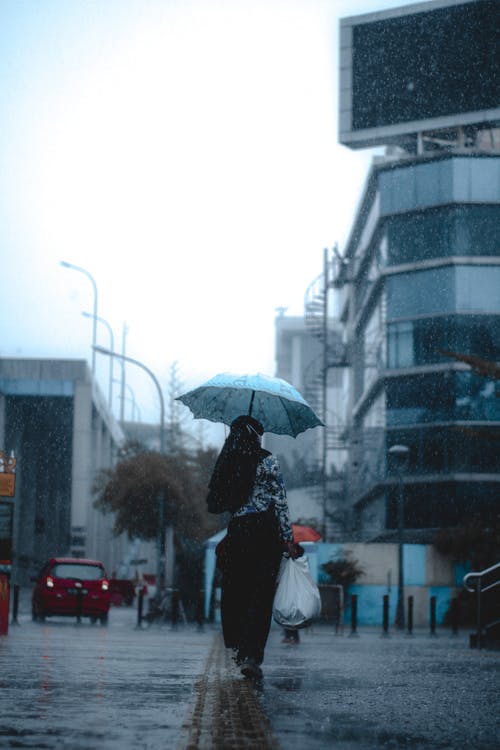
(443, 182)
(400, 346)
(75, 570)
(374, 345)
(420, 293)
(420, 342)
(440, 290)
(442, 232)
(477, 288)
(439, 504)
(474, 449)
(476, 398)
(459, 448)
(442, 397)
(423, 398)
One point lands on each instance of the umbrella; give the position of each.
(304, 533)
(276, 404)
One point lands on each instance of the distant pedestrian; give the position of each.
(291, 635)
(258, 533)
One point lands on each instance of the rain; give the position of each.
(249, 374)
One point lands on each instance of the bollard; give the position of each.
(140, 605)
(454, 616)
(79, 602)
(175, 608)
(385, 615)
(354, 615)
(15, 604)
(200, 609)
(433, 615)
(410, 615)
(4, 604)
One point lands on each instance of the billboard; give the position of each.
(423, 67)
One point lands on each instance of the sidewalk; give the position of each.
(370, 692)
(81, 687)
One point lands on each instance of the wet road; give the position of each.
(83, 687)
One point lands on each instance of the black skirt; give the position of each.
(252, 556)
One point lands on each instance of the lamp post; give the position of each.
(123, 384)
(131, 399)
(94, 316)
(400, 454)
(112, 347)
(160, 542)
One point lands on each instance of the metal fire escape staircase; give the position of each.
(319, 324)
(334, 352)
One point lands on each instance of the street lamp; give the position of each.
(94, 316)
(400, 454)
(131, 399)
(112, 347)
(160, 543)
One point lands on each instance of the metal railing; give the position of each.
(484, 580)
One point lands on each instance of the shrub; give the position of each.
(344, 571)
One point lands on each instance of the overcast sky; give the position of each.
(184, 152)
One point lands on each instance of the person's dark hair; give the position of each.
(236, 466)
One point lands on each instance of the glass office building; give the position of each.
(422, 277)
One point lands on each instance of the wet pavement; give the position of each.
(89, 687)
(83, 687)
(371, 693)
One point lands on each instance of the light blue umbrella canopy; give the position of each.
(276, 404)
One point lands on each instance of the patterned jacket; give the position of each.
(269, 488)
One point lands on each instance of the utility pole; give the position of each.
(123, 360)
(324, 388)
(174, 388)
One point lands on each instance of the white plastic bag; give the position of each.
(297, 600)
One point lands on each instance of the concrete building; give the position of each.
(310, 469)
(296, 355)
(55, 419)
(421, 268)
(422, 274)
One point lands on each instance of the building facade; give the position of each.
(55, 420)
(296, 355)
(310, 462)
(421, 277)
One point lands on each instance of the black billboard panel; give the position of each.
(420, 67)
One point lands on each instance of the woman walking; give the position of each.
(249, 480)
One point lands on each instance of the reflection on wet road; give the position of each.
(80, 687)
(84, 687)
(373, 693)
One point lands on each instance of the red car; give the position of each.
(121, 591)
(72, 587)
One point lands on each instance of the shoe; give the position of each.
(238, 660)
(250, 668)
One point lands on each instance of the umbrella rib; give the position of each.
(284, 403)
(251, 404)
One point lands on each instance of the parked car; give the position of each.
(122, 592)
(71, 587)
